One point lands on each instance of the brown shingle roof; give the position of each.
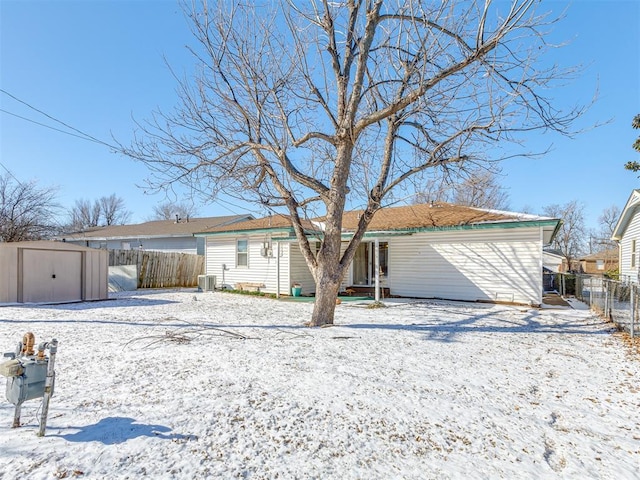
(611, 254)
(277, 221)
(157, 228)
(439, 215)
(427, 215)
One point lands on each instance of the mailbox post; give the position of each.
(30, 375)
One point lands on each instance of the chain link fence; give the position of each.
(615, 300)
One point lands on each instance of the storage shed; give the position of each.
(52, 272)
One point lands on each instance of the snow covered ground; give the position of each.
(180, 384)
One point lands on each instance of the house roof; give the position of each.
(629, 211)
(433, 215)
(610, 254)
(156, 228)
(277, 222)
(406, 219)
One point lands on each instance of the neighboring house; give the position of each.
(425, 251)
(552, 260)
(158, 235)
(627, 234)
(552, 263)
(599, 263)
(52, 272)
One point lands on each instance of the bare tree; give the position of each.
(105, 211)
(113, 210)
(479, 188)
(600, 238)
(570, 239)
(171, 210)
(27, 212)
(312, 106)
(85, 214)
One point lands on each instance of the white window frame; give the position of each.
(245, 253)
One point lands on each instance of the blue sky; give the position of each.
(97, 65)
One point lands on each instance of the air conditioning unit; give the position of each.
(206, 283)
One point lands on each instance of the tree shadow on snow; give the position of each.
(115, 430)
(449, 330)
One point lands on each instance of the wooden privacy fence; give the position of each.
(161, 269)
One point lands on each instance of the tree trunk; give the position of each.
(327, 288)
(328, 273)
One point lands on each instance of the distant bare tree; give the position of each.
(102, 212)
(608, 220)
(85, 214)
(309, 106)
(600, 239)
(27, 212)
(169, 210)
(571, 238)
(113, 210)
(479, 188)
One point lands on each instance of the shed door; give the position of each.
(51, 276)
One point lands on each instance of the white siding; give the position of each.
(300, 273)
(483, 264)
(221, 250)
(631, 233)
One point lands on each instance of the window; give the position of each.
(633, 254)
(600, 264)
(242, 253)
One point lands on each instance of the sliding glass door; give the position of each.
(364, 263)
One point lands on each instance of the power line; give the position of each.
(10, 173)
(45, 125)
(82, 135)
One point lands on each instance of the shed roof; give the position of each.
(46, 245)
(155, 228)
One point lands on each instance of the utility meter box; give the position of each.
(30, 375)
(30, 384)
